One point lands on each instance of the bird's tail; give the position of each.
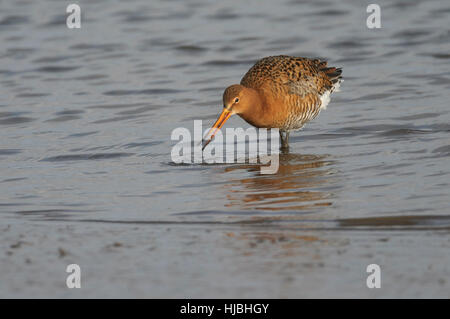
(335, 76)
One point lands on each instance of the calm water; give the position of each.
(86, 115)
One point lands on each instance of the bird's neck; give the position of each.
(255, 113)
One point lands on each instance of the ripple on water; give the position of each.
(223, 63)
(32, 95)
(15, 120)
(56, 69)
(443, 150)
(194, 49)
(14, 20)
(417, 116)
(401, 222)
(64, 118)
(104, 47)
(9, 151)
(84, 157)
(440, 56)
(144, 92)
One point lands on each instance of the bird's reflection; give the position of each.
(298, 184)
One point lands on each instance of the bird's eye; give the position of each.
(236, 100)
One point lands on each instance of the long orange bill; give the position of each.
(223, 117)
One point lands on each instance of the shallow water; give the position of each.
(86, 117)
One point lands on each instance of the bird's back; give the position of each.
(283, 71)
(300, 87)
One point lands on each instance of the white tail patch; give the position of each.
(325, 97)
(337, 86)
(324, 100)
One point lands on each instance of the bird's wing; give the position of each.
(310, 77)
(292, 75)
(305, 86)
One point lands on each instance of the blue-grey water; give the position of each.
(86, 174)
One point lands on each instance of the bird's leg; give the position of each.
(284, 136)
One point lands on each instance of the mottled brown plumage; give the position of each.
(280, 92)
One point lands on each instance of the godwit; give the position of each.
(281, 92)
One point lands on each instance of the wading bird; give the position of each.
(281, 92)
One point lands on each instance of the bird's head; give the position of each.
(235, 101)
